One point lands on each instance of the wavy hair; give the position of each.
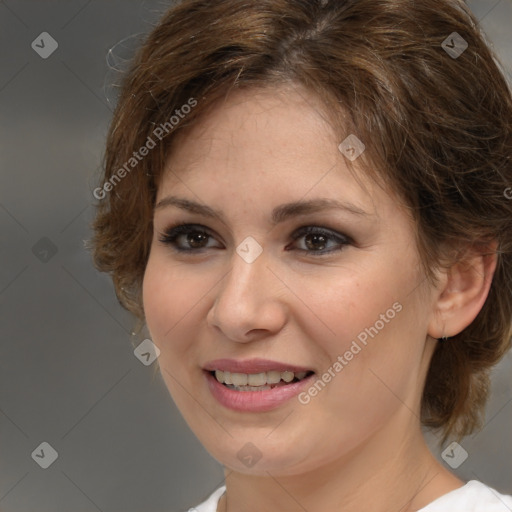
(437, 129)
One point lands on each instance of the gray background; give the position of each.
(68, 375)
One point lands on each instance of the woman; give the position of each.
(304, 201)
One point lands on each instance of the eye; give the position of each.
(193, 234)
(317, 238)
(193, 238)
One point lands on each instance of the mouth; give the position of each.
(262, 381)
(255, 385)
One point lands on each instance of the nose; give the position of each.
(250, 301)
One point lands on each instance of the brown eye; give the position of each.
(317, 240)
(194, 238)
(186, 238)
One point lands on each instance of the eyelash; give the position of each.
(173, 232)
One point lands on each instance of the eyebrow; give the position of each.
(279, 213)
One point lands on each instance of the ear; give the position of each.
(463, 290)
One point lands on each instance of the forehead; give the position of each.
(259, 120)
(267, 144)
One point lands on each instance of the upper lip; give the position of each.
(256, 365)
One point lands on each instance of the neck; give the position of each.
(392, 471)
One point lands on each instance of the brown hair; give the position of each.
(437, 130)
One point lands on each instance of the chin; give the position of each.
(259, 459)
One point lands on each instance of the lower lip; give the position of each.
(254, 401)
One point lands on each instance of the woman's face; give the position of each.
(347, 301)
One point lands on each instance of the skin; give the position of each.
(358, 444)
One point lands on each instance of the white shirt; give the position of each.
(475, 496)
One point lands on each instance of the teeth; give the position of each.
(287, 376)
(240, 379)
(257, 379)
(273, 377)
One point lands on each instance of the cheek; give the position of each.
(350, 303)
(170, 299)
(168, 296)
(378, 332)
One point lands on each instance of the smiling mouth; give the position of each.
(258, 381)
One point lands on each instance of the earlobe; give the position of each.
(463, 291)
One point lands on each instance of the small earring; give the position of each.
(443, 338)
